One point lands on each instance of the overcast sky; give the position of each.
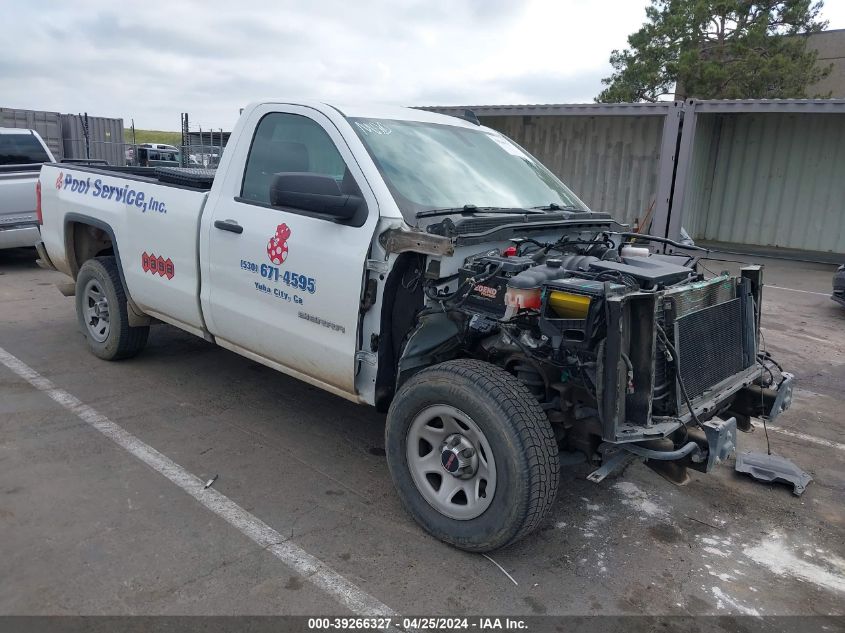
(152, 60)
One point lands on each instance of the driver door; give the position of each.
(283, 285)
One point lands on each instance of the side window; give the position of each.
(288, 143)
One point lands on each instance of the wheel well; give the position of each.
(86, 241)
(400, 303)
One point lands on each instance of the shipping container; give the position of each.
(64, 133)
(105, 138)
(47, 124)
(767, 173)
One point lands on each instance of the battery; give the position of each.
(488, 298)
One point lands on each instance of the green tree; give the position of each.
(718, 49)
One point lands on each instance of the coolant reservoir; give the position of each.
(523, 298)
(524, 290)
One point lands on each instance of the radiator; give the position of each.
(710, 345)
(711, 326)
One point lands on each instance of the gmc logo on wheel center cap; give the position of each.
(449, 460)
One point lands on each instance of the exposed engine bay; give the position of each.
(628, 351)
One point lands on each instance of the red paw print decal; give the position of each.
(277, 247)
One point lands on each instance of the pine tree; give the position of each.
(718, 49)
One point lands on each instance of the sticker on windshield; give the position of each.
(506, 145)
(373, 127)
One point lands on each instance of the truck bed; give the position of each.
(151, 215)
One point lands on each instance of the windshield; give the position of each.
(21, 149)
(431, 166)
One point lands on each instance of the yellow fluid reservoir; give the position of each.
(569, 306)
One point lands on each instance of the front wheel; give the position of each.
(101, 311)
(472, 455)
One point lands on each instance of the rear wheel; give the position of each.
(472, 454)
(101, 311)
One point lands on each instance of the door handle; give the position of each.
(228, 225)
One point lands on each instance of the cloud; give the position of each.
(152, 60)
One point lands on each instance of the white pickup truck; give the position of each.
(22, 153)
(428, 266)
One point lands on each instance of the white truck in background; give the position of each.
(22, 152)
(428, 266)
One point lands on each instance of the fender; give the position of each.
(136, 315)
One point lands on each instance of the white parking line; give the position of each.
(806, 292)
(802, 436)
(311, 568)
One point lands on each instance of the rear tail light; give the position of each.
(38, 202)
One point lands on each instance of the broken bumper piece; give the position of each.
(714, 443)
(772, 468)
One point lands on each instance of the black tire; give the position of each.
(121, 341)
(518, 433)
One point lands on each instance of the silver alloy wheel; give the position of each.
(451, 462)
(96, 309)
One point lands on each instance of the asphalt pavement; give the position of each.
(87, 526)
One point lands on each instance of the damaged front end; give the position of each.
(674, 387)
(630, 355)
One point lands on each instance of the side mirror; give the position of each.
(313, 192)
